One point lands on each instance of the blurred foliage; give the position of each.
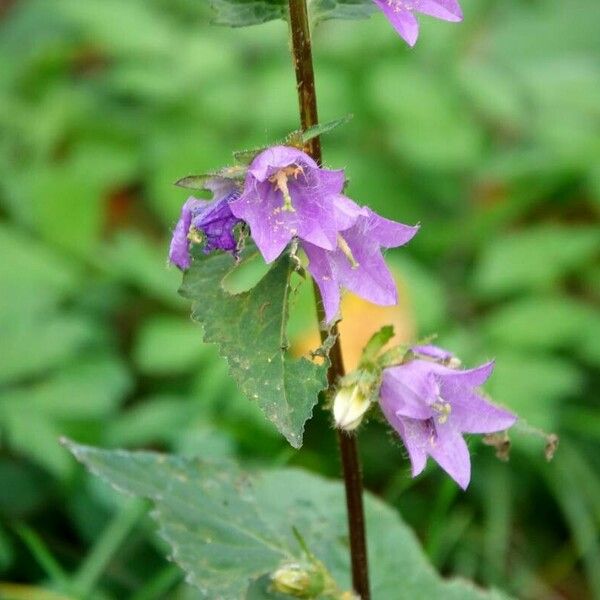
(488, 133)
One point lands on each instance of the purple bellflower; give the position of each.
(400, 14)
(431, 405)
(357, 263)
(211, 222)
(286, 195)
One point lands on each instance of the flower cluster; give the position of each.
(400, 14)
(286, 195)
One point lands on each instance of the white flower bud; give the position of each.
(299, 581)
(349, 406)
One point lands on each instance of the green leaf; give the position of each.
(241, 13)
(322, 128)
(228, 528)
(376, 343)
(534, 259)
(250, 330)
(538, 322)
(198, 182)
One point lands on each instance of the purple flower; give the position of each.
(286, 195)
(431, 406)
(357, 263)
(211, 222)
(400, 14)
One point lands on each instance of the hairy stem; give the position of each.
(307, 98)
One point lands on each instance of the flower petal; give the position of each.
(407, 389)
(469, 377)
(389, 234)
(447, 10)
(471, 413)
(401, 19)
(415, 435)
(449, 450)
(277, 157)
(432, 351)
(320, 269)
(179, 253)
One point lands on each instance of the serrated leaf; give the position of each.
(228, 528)
(250, 330)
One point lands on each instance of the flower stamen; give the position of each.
(343, 246)
(280, 179)
(443, 409)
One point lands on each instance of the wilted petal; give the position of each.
(449, 450)
(179, 253)
(216, 221)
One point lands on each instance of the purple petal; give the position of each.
(179, 253)
(407, 390)
(275, 158)
(415, 436)
(432, 351)
(447, 10)
(320, 269)
(389, 234)
(469, 377)
(401, 19)
(220, 186)
(257, 206)
(216, 221)
(471, 413)
(449, 450)
(347, 212)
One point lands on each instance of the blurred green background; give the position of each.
(488, 133)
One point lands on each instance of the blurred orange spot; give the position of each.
(361, 320)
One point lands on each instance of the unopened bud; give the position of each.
(299, 581)
(349, 407)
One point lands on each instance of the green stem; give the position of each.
(307, 99)
(108, 543)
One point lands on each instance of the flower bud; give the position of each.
(349, 406)
(299, 581)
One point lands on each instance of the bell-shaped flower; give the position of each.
(357, 263)
(286, 195)
(400, 14)
(431, 406)
(208, 222)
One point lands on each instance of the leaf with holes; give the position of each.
(250, 331)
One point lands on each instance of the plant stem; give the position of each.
(307, 99)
